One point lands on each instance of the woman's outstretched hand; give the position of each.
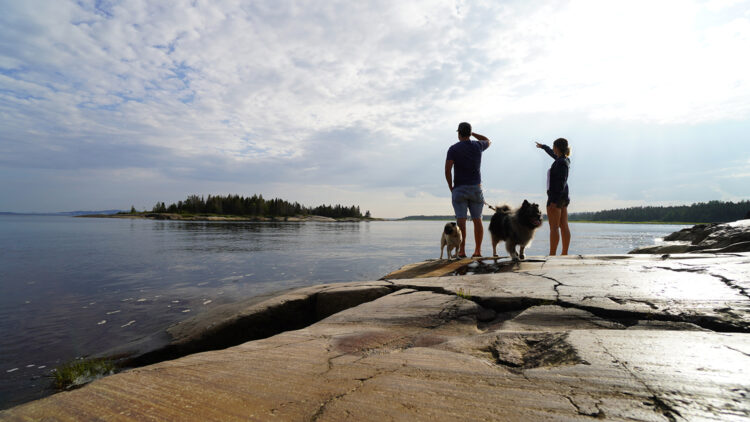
(538, 145)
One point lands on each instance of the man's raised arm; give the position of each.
(482, 138)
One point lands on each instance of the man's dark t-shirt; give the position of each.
(467, 158)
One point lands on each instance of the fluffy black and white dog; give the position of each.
(515, 227)
(451, 239)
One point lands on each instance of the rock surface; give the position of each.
(630, 337)
(715, 238)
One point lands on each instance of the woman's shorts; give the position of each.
(468, 196)
(560, 204)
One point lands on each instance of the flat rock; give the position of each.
(634, 337)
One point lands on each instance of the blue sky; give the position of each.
(108, 104)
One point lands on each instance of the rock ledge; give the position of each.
(629, 337)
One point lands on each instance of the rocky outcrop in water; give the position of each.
(628, 337)
(728, 237)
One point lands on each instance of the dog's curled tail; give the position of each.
(505, 209)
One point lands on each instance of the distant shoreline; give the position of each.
(308, 218)
(674, 223)
(488, 217)
(212, 217)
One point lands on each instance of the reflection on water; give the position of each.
(76, 286)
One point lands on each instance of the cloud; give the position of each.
(363, 95)
(720, 5)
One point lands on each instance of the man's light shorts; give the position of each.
(468, 196)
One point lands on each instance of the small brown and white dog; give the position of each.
(451, 239)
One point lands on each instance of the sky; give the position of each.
(108, 104)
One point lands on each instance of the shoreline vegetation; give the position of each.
(697, 213)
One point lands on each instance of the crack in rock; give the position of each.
(658, 403)
(623, 301)
(737, 350)
(324, 405)
(731, 284)
(585, 409)
(629, 317)
(281, 406)
(626, 317)
(698, 270)
(555, 287)
(703, 270)
(404, 292)
(667, 410)
(534, 350)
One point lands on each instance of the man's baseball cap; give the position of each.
(464, 129)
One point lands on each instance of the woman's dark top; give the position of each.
(557, 179)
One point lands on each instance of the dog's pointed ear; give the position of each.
(525, 203)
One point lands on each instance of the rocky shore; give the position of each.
(192, 217)
(712, 238)
(626, 337)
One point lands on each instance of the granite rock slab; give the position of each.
(633, 337)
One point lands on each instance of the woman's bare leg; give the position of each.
(564, 230)
(553, 217)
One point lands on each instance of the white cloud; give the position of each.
(258, 78)
(284, 92)
(719, 5)
(737, 176)
(644, 61)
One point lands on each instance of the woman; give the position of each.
(557, 194)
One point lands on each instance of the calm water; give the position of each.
(73, 287)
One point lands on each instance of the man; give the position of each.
(466, 185)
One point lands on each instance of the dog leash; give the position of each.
(490, 206)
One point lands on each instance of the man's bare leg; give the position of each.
(462, 225)
(478, 235)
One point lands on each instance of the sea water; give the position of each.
(72, 287)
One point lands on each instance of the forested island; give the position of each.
(240, 208)
(701, 212)
(255, 205)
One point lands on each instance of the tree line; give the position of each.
(255, 206)
(701, 212)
